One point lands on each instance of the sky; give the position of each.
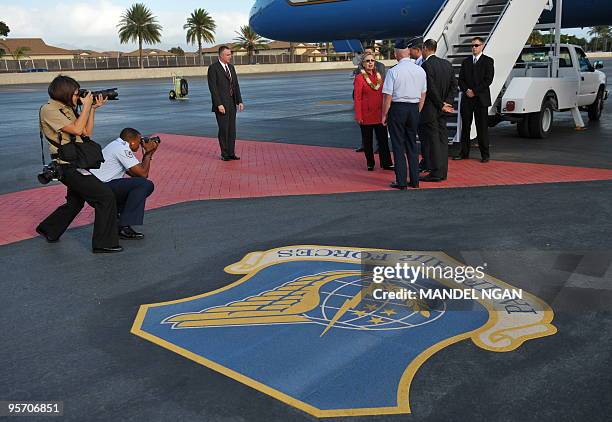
(92, 25)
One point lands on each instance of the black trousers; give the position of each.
(227, 130)
(83, 189)
(436, 133)
(403, 125)
(131, 196)
(472, 109)
(367, 140)
(425, 163)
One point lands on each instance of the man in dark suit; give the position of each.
(475, 78)
(226, 98)
(441, 91)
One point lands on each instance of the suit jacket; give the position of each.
(478, 77)
(219, 86)
(441, 87)
(368, 102)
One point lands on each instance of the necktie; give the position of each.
(475, 60)
(229, 76)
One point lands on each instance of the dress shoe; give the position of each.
(127, 232)
(430, 178)
(234, 157)
(47, 238)
(360, 149)
(224, 158)
(460, 158)
(113, 249)
(413, 185)
(395, 185)
(370, 168)
(388, 168)
(484, 160)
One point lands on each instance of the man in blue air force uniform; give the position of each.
(404, 94)
(131, 193)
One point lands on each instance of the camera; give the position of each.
(109, 94)
(147, 139)
(49, 173)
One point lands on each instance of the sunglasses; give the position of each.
(370, 61)
(476, 45)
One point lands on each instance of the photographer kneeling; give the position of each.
(67, 132)
(130, 193)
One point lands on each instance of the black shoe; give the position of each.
(370, 168)
(129, 233)
(394, 185)
(460, 158)
(413, 185)
(234, 157)
(430, 178)
(388, 168)
(47, 238)
(224, 158)
(360, 149)
(425, 171)
(484, 160)
(113, 249)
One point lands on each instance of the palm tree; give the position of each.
(602, 33)
(250, 41)
(200, 27)
(20, 53)
(138, 24)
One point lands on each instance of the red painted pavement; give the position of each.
(187, 168)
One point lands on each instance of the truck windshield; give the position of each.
(539, 57)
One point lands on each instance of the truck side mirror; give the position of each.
(598, 64)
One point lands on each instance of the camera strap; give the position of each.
(51, 141)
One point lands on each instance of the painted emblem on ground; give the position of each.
(303, 324)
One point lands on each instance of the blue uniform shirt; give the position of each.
(118, 158)
(405, 82)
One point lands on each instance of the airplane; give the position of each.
(327, 20)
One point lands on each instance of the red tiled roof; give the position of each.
(36, 46)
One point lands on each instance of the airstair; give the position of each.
(504, 25)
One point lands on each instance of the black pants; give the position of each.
(437, 139)
(472, 109)
(227, 130)
(367, 140)
(83, 189)
(131, 196)
(403, 125)
(425, 163)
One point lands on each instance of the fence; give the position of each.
(58, 65)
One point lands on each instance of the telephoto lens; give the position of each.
(109, 94)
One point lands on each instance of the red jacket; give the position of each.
(368, 102)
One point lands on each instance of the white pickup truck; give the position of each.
(532, 96)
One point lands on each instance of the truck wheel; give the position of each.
(172, 95)
(540, 123)
(596, 108)
(523, 127)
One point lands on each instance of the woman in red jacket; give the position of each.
(368, 113)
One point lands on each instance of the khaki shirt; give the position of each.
(54, 116)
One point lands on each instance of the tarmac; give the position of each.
(538, 215)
